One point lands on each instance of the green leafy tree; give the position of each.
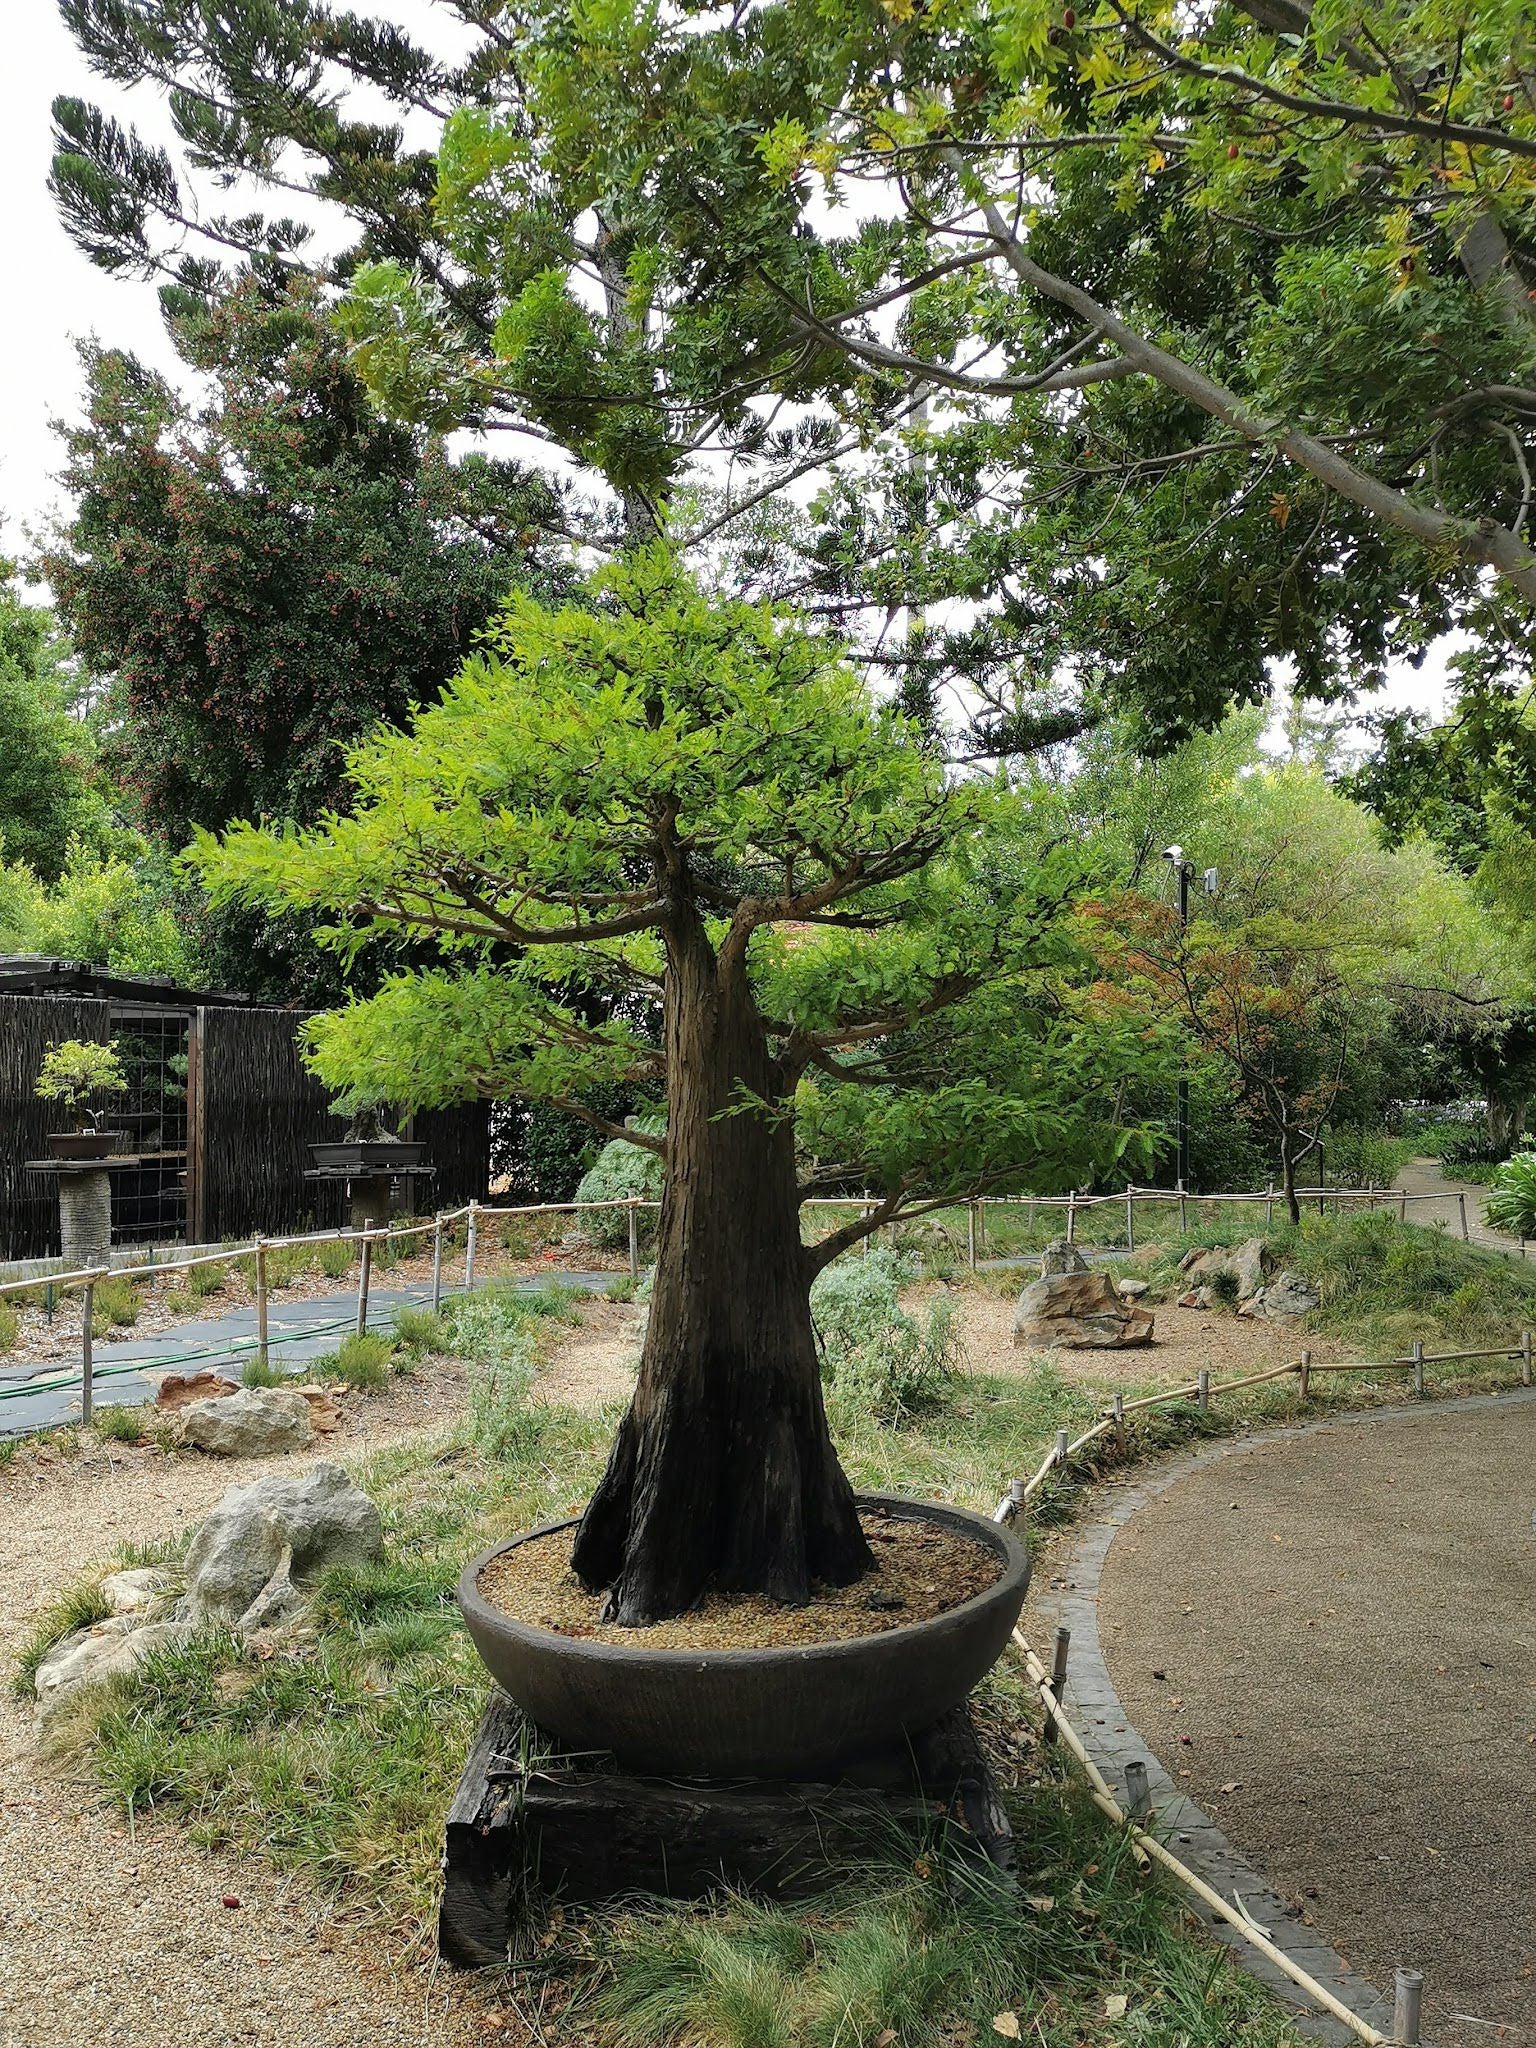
(1322, 945)
(49, 791)
(267, 574)
(699, 804)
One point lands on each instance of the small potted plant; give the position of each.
(71, 1073)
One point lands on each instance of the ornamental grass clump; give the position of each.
(1511, 1203)
(878, 1358)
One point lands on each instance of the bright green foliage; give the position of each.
(900, 930)
(420, 1330)
(619, 1171)
(120, 1425)
(115, 1305)
(335, 1257)
(878, 1358)
(1511, 1203)
(76, 1069)
(115, 910)
(364, 1361)
(48, 791)
(10, 1323)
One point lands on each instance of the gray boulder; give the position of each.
(94, 1654)
(284, 1527)
(254, 1423)
(1061, 1256)
(1287, 1294)
(133, 1592)
(1245, 1262)
(1078, 1312)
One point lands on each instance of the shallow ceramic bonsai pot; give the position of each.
(82, 1144)
(801, 1711)
(367, 1155)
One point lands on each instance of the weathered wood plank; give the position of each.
(527, 1823)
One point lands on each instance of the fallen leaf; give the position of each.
(1006, 2024)
(885, 2037)
(1233, 1785)
(1114, 2006)
(1042, 1904)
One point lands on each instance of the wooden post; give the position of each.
(1130, 1223)
(1183, 1209)
(1203, 1388)
(634, 1241)
(1407, 2007)
(1269, 1205)
(1138, 1793)
(1018, 1499)
(437, 1265)
(1370, 1197)
(1072, 1216)
(87, 1389)
(1418, 1366)
(869, 1235)
(1060, 1649)
(1402, 1205)
(970, 1233)
(1117, 1409)
(1306, 1373)
(981, 1224)
(1461, 1203)
(469, 1246)
(261, 1303)
(1525, 1358)
(1061, 1446)
(364, 1275)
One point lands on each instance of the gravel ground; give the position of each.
(121, 1936)
(1330, 1642)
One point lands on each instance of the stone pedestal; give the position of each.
(368, 1201)
(85, 1208)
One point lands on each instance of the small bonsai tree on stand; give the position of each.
(75, 1070)
(815, 944)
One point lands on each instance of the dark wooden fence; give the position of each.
(253, 1111)
(29, 1202)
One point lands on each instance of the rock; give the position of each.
(254, 1423)
(1132, 1290)
(94, 1654)
(1245, 1262)
(324, 1414)
(181, 1389)
(279, 1601)
(1078, 1312)
(1288, 1294)
(1060, 1256)
(317, 1517)
(133, 1592)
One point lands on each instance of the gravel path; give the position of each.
(1427, 1177)
(1330, 1642)
(120, 1936)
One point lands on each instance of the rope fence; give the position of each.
(1051, 1684)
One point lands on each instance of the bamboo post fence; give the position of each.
(634, 1239)
(469, 1248)
(437, 1265)
(87, 1382)
(261, 1303)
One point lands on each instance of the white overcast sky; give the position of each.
(57, 296)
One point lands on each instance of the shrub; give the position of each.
(120, 1425)
(874, 1354)
(334, 1258)
(619, 1171)
(114, 1306)
(257, 1374)
(364, 1362)
(285, 1264)
(1359, 1159)
(1511, 1201)
(205, 1280)
(10, 1324)
(422, 1329)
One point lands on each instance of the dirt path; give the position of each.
(1427, 1177)
(1330, 1642)
(122, 1936)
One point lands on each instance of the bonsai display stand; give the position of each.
(527, 1824)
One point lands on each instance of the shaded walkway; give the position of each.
(1427, 1177)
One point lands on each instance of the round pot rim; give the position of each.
(1015, 1567)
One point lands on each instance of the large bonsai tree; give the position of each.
(833, 963)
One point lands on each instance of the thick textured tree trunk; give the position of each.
(723, 1474)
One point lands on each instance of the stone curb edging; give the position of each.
(1069, 1598)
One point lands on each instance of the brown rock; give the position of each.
(1078, 1312)
(180, 1389)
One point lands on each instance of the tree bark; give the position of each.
(723, 1475)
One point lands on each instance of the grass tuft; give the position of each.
(80, 1606)
(335, 1258)
(115, 1305)
(120, 1425)
(422, 1329)
(365, 1362)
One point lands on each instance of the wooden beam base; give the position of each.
(530, 1824)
